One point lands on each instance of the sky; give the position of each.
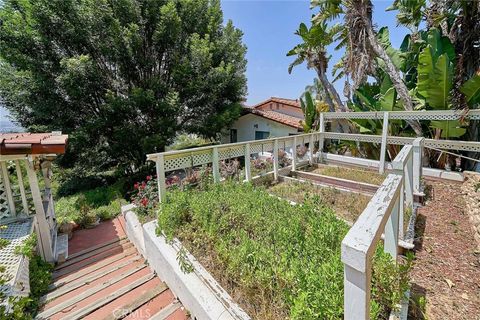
(269, 27)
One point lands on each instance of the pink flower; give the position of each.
(144, 202)
(135, 185)
(149, 178)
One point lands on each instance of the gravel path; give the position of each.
(447, 267)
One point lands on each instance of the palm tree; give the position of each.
(363, 46)
(313, 51)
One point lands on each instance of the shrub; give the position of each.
(85, 207)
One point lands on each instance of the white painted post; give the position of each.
(42, 228)
(21, 186)
(321, 139)
(356, 298)
(417, 164)
(248, 172)
(275, 160)
(312, 147)
(294, 154)
(408, 174)
(162, 187)
(383, 148)
(215, 165)
(391, 229)
(8, 188)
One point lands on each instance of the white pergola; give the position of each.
(26, 202)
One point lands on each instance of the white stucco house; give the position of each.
(274, 117)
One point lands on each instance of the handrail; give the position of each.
(406, 115)
(358, 246)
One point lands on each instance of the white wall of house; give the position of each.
(247, 125)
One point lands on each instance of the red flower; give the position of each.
(149, 178)
(144, 202)
(135, 185)
(143, 185)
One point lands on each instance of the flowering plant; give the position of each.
(146, 195)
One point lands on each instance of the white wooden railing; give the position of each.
(212, 155)
(383, 214)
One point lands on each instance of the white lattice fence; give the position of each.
(4, 209)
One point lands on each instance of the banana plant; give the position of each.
(471, 90)
(310, 112)
(436, 69)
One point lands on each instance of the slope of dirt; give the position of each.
(447, 268)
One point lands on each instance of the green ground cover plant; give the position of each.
(276, 260)
(85, 207)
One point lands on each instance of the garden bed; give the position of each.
(358, 175)
(276, 260)
(346, 205)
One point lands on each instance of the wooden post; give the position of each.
(391, 229)
(321, 139)
(8, 188)
(162, 187)
(42, 227)
(275, 160)
(356, 298)
(215, 165)
(417, 164)
(248, 172)
(21, 186)
(383, 148)
(294, 154)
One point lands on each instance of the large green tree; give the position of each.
(121, 77)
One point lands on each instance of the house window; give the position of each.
(233, 135)
(259, 135)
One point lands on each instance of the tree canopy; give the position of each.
(121, 77)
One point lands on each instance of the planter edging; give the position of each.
(198, 291)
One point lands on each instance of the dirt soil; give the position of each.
(447, 267)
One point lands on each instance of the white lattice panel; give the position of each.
(4, 209)
(267, 147)
(453, 145)
(15, 264)
(179, 162)
(400, 140)
(231, 152)
(406, 115)
(202, 158)
(255, 148)
(353, 137)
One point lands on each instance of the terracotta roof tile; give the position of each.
(278, 117)
(290, 102)
(32, 143)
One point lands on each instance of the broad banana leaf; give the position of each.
(398, 58)
(471, 90)
(435, 78)
(450, 128)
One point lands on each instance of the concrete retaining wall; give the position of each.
(198, 291)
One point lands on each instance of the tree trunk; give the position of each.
(394, 76)
(325, 84)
